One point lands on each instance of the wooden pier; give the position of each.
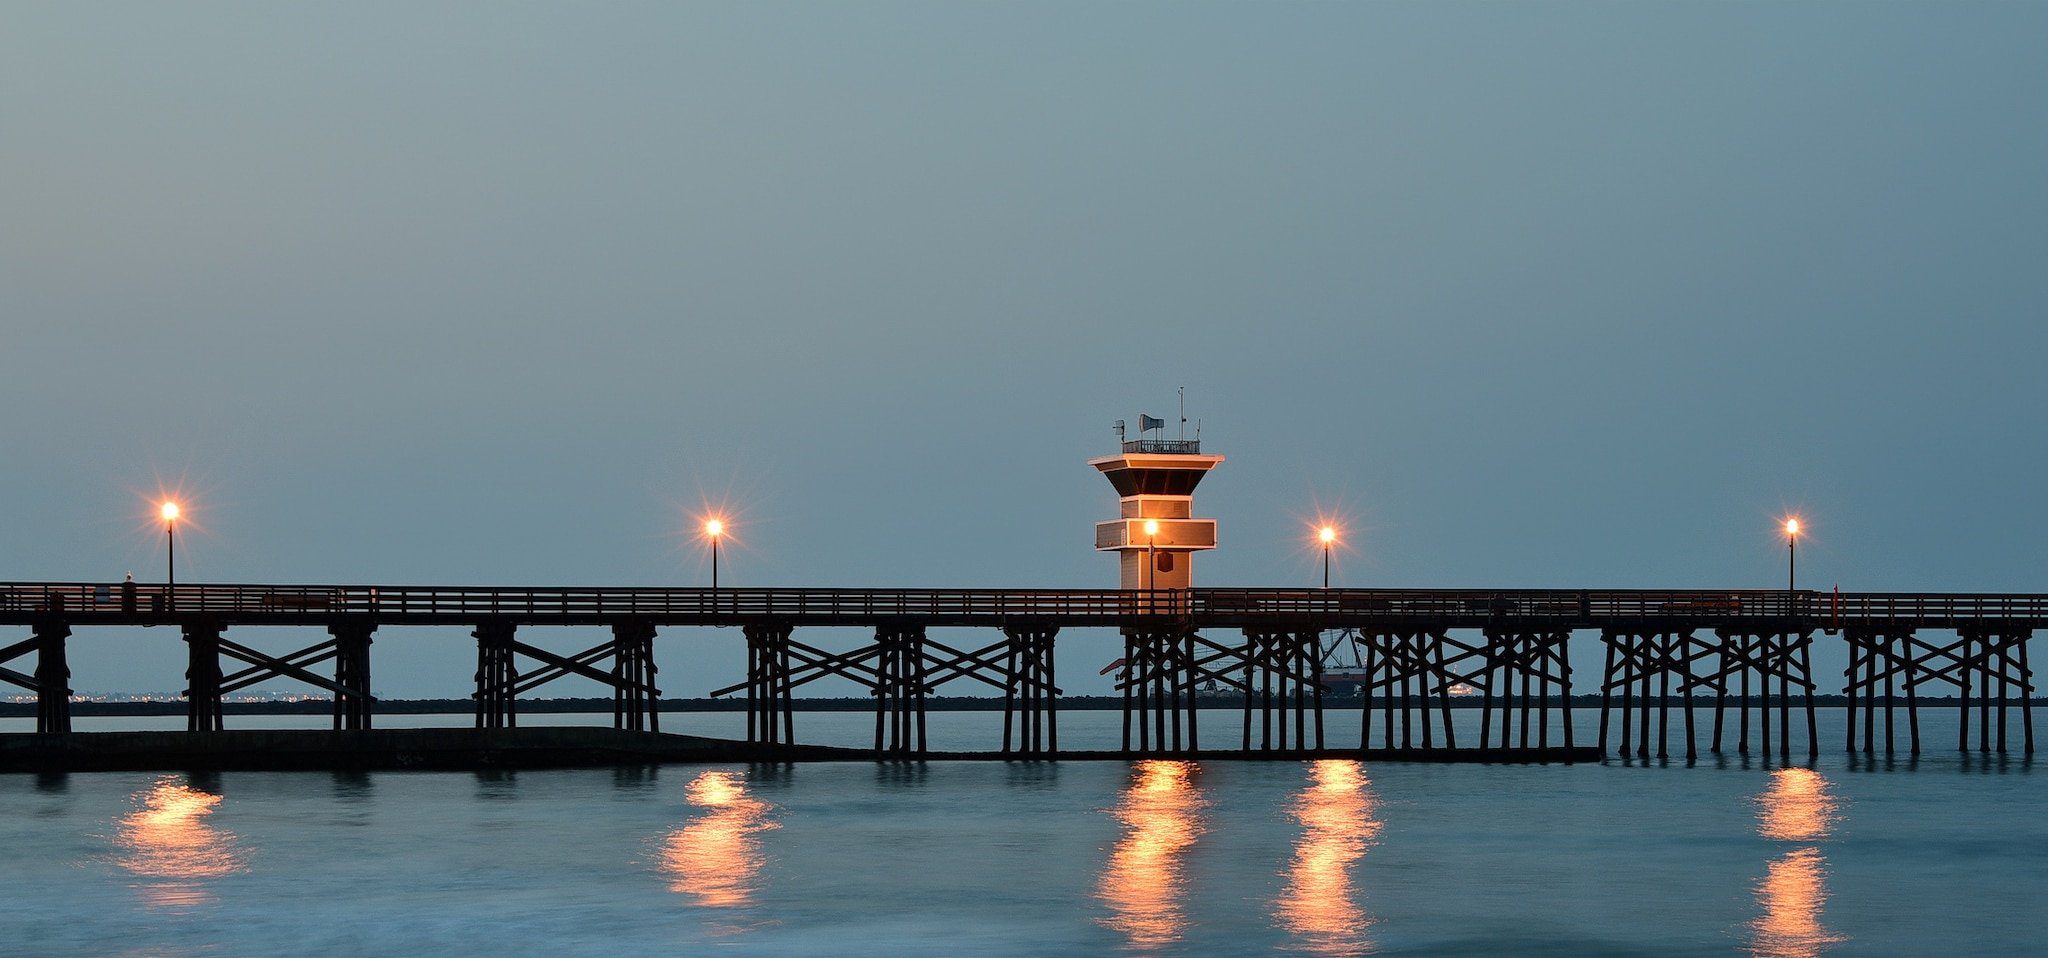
(1749, 652)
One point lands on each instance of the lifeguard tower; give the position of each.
(1157, 533)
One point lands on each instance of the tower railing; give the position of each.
(1165, 447)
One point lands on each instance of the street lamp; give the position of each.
(1791, 554)
(169, 511)
(1328, 536)
(715, 529)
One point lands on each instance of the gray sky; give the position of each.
(1551, 294)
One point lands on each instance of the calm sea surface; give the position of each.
(1947, 855)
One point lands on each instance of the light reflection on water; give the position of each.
(716, 859)
(1320, 907)
(1796, 808)
(1144, 883)
(168, 841)
(1034, 858)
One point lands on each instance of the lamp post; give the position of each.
(1328, 536)
(1791, 554)
(170, 513)
(1791, 561)
(714, 528)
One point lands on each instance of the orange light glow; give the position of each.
(169, 511)
(1793, 890)
(1792, 528)
(167, 840)
(714, 527)
(1798, 807)
(1792, 893)
(1320, 906)
(1151, 527)
(716, 860)
(1327, 534)
(1143, 884)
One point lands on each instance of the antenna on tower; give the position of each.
(1119, 430)
(1183, 413)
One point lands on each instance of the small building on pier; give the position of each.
(1156, 533)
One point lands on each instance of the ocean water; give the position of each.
(1944, 854)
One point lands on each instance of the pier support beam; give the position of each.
(1410, 672)
(53, 678)
(636, 701)
(1764, 655)
(1880, 662)
(499, 682)
(1160, 672)
(1283, 680)
(203, 677)
(348, 645)
(1517, 662)
(900, 691)
(352, 699)
(51, 681)
(1992, 661)
(497, 675)
(1652, 666)
(770, 719)
(900, 669)
(1030, 697)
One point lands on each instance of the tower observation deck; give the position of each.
(1156, 533)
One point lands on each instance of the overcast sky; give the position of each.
(1550, 294)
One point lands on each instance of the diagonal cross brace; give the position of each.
(814, 663)
(529, 681)
(311, 655)
(236, 650)
(569, 665)
(21, 648)
(963, 665)
(17, 678)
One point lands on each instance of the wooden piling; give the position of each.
(1606, 691)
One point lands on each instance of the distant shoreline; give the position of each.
(1076, 703)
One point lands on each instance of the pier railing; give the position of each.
(20, 601)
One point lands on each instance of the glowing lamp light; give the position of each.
(1792, 528)
(1151, 557)
(714, 530)
(1327, 535)
(169, 511)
